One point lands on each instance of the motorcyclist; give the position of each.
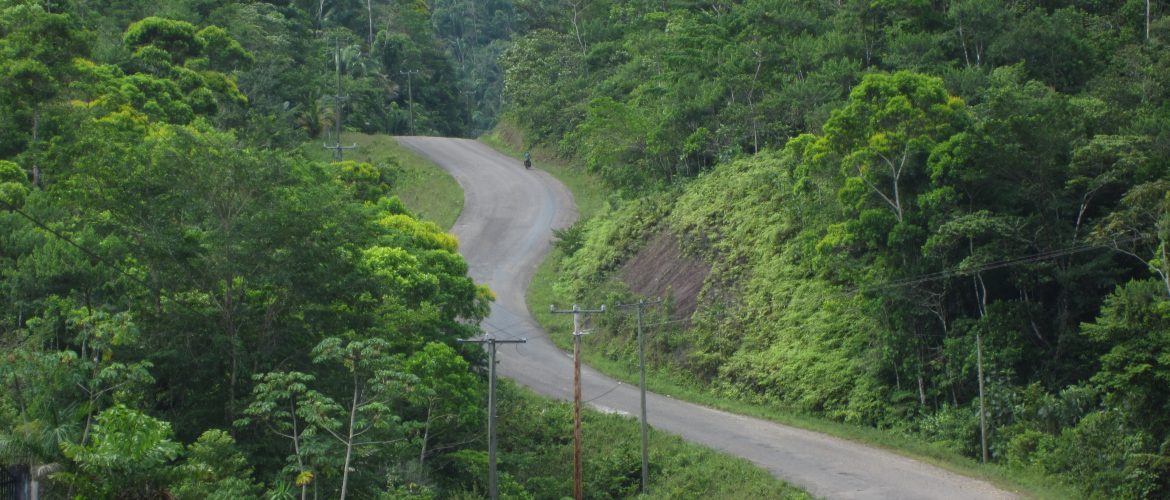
(527, 159)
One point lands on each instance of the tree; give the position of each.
(362, 416)
(36, 60)
(14, 185)
(884, 134)
(214, 468)
(129, 456)
(1133, 329)
(278, 402)
(1141, 228)
(542, 83)
(446, 391)
(880, 142)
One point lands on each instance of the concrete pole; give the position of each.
(642, 304)
(493, 487)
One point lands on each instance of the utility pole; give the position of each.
(339, 105)
(467, 109)
(638, 307)
(493, 488)
(981, 294)
(578, 468)
(410, 94)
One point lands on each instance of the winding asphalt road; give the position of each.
(504, 232)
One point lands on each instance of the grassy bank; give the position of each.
(586, 188)
(422, 186)
(537, 454)
(682, 386)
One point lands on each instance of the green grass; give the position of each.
(423, 187)
(612, 457)
(675, 385)
(591, 196)
(587, 189)
(540, 294)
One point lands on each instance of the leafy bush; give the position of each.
(953, 428)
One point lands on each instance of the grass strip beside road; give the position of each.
(586, 188)
(678, 469)
(540, 294)
(426, 190)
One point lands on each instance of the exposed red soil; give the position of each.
(661, 269)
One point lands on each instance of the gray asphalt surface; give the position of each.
(504, 232)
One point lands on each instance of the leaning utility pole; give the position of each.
(410, 94)
(493, 489)
(642, 304)
(339, 105)
(578, 468)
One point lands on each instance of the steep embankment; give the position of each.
(661, 269)
(505, 229)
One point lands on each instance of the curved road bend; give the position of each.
(504, 232)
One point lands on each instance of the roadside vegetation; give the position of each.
(425, 190)
(917, 218)
(613, 352)
(536, 433)
(195, 303)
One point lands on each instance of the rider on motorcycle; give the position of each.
(527, 159)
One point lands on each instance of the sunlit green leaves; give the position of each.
(129, 451)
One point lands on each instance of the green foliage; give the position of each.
(365, 182)
(537, 453)
(613, 236)
(863, 226)
(215, 468)
(336, 430)
(1134, 326)
(202, 260)
(175, 38)
(13, 184)
(887, 219)
(128, 456)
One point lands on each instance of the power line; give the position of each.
(509, 333)
(602, 395)
(95, 256)
(493, 490)
(999, 264)
(578, 468)
(638, 307)
(74, 244)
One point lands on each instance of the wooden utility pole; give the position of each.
(638, 307)
(578, 467)
(493, 484)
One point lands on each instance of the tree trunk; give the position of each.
(320, 13)
(349, 435)
(422, 454)
(370, 13)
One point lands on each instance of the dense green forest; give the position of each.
(911, 211)
(191, 306)
(909, 208)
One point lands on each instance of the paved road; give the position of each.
(504, 232)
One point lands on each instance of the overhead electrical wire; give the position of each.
(950, 273)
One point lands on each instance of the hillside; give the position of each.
(195, 304)
(944, 220)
